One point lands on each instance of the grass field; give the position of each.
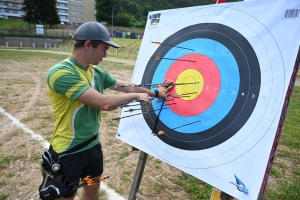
(131, 45)
(10, 23)
(159, 181)
(18, 24)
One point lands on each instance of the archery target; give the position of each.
(229, 106)
(218, 106)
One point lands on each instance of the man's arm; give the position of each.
(163, 91)
(93, 98)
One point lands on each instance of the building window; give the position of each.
(74, 18)
(73, 6)
(10, 11)
(79, 7)
(73, 12)
(80, 18)
(19, 5)
(62, 11)
(62, 5)
(1, 3)
(79, 1)
(79, 13)
(9, 4)
(63, 17)
(20, 12)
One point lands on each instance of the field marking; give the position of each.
(110, 194)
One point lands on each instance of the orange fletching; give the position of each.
(106, 107)
(160, 132)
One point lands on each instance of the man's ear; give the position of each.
(87, 44)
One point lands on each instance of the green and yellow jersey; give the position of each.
(75, 122)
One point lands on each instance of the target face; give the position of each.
(219, 68)
(230, 75)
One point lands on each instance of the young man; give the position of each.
(75, 88)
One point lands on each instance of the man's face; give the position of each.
(97, 54)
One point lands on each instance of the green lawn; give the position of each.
(6, 24)
(10, 23)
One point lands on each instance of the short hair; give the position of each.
(80, 43)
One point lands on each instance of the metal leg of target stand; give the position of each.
(225, 196)
(138, 176)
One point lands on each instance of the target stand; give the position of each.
(133, 194)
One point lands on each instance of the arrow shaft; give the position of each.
(155, 85)
(136, 114)
(173, 59)
(183, 125)
(173, 46)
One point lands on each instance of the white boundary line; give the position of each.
(110, 194)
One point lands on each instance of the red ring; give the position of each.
(211, 88)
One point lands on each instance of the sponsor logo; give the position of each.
(155, 18)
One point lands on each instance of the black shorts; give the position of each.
(80, 165)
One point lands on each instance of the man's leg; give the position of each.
(91, 192)
(94, 170)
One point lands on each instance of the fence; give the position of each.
(56, 44)
(13, 41)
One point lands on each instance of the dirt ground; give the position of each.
(23, 96)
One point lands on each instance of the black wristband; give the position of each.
(156, 93)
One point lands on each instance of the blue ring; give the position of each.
(230, 78)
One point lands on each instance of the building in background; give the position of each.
(73, 12)
(11, 9)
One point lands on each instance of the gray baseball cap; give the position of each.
(94, 31)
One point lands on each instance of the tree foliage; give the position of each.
(104, 10)
(129, 12)
(40, 12)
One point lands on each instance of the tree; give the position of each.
(43, 12)
(104, 10)
(135, 11)
(30, 7)
(51, 14)
(123, 20)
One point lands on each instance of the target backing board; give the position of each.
(232, 64)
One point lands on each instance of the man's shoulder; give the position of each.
(62, 65)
